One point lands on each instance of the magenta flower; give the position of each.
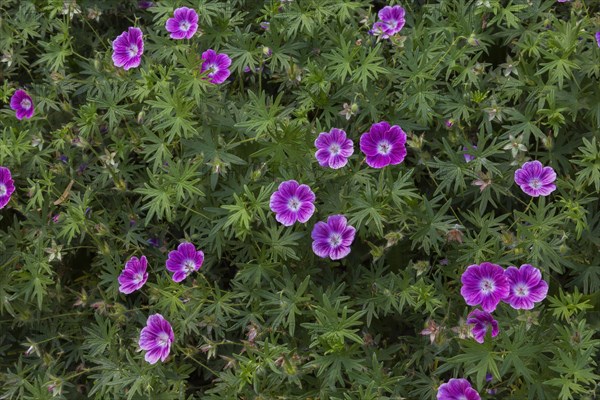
(333, 239)
(333, 148)
(457, 389)
(598, 38)
(134, 275)
(23, 105)
(481, 321)
(484, 285)
(7, 186)
(156, 338)
(128, 48)
(184, 23)
(184, 261)
(383, 145)
(217, 66)
(292, 202)
(535, 179)
(526, 287)
(391, 21)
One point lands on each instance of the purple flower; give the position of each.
(217, 66)
(449, 123)
(144, 4)
(468, 157)
(184, 261)
(23, 105)
(333, 148)
(484, 285)
(535, 179)
(391, 21)
(134, 276)
(128, 48)
(7, 186)
(481, 321)
(457, 389)
(184, 23)
(598, 38)
(383, 145)
(156, 338)
(265, 25)
(292, 202)
(526, 286)
(333, 239)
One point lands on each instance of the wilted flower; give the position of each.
(156, 338)
(333, 148)
(483, 182)
(183, 261)
(484, 285)
(530, 318)
(128, 48)
(463, 330)
(349, 110)
(509, 67)
(54, 252)
(455, 234)
(134, 275)
(472, 40)
(515, 145)
(94, 13)
(333, 238)
(217, 66)
(432, 329)
(184, 23)
(480, 322)
(22, 103)
(535, 179)
(7, 186)
(391, 21)
(457, 389)
(526, 287)
(292, 202)
(383, 145)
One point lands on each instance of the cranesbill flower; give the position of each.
(480, 322)
(333, 148)
(217, 66)
(156, 338)
(535, 179)
(7, 186)
(183, 261)
(333, 238)
(134, 275)
(145, 4)
(598, 38)
(391, 21)
(457, 389)
(184, 23)
(292, 202)
(468, 157)
(23, 105)
(128, 48)
(383, 145)
(526, 286)
(484, 285)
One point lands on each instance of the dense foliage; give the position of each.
(118, 163)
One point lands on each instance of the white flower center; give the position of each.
(487, 286)
(184, 26)
(26, 104)
(535, 183)
(521, 290)
(162, 339)
(137, 278)
(212, 70)
(334, 149)
(335, 239)
(133, 50)
(294, 204)
(384, 147)
(189, 266)
(3, 189)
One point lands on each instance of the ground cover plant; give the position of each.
(292, 199)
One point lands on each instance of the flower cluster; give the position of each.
(488, 284)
